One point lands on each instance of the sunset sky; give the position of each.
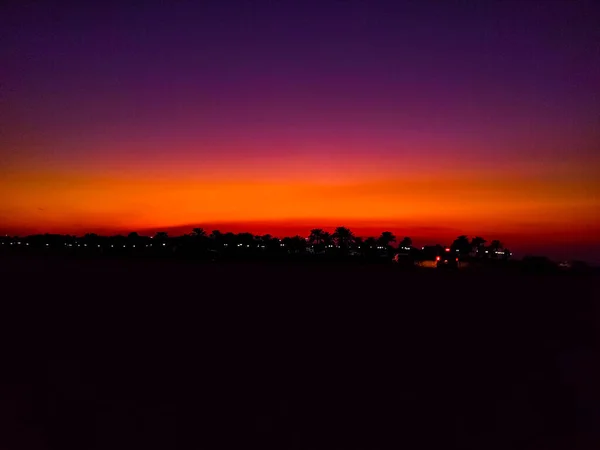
(430, 119)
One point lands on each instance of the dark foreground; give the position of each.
(141, 354)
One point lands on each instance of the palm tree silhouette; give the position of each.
(316, 236)
(343, 237)
(462, 244)
(246, 245)
(198, 232)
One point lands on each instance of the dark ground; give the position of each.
(147, 354)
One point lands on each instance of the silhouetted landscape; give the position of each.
(111, 347)
(319, 246)
(427, 171)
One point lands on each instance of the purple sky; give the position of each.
(468, 71)
(468, 85)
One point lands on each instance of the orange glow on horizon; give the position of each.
(513, 203)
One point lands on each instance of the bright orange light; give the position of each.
(293, 196)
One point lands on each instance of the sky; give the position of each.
(427, 118)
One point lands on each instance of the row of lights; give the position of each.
(258, 246)
(124, 246)
(71, 245)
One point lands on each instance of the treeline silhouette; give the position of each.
(342, 242)
(320, 245)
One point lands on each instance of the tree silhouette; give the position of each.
(494, 247)
(477, 244)
(371, 242)
(267, 243)
(295, 244)
(386, 238)
(216, 238)
(462, 244)
(343, 237)
(244, 245)
(198, 232)
(266, 240)
(133, 239)
(229, 239)
(161, 236)
(246, 239)
(406, 242)
(316, 236)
